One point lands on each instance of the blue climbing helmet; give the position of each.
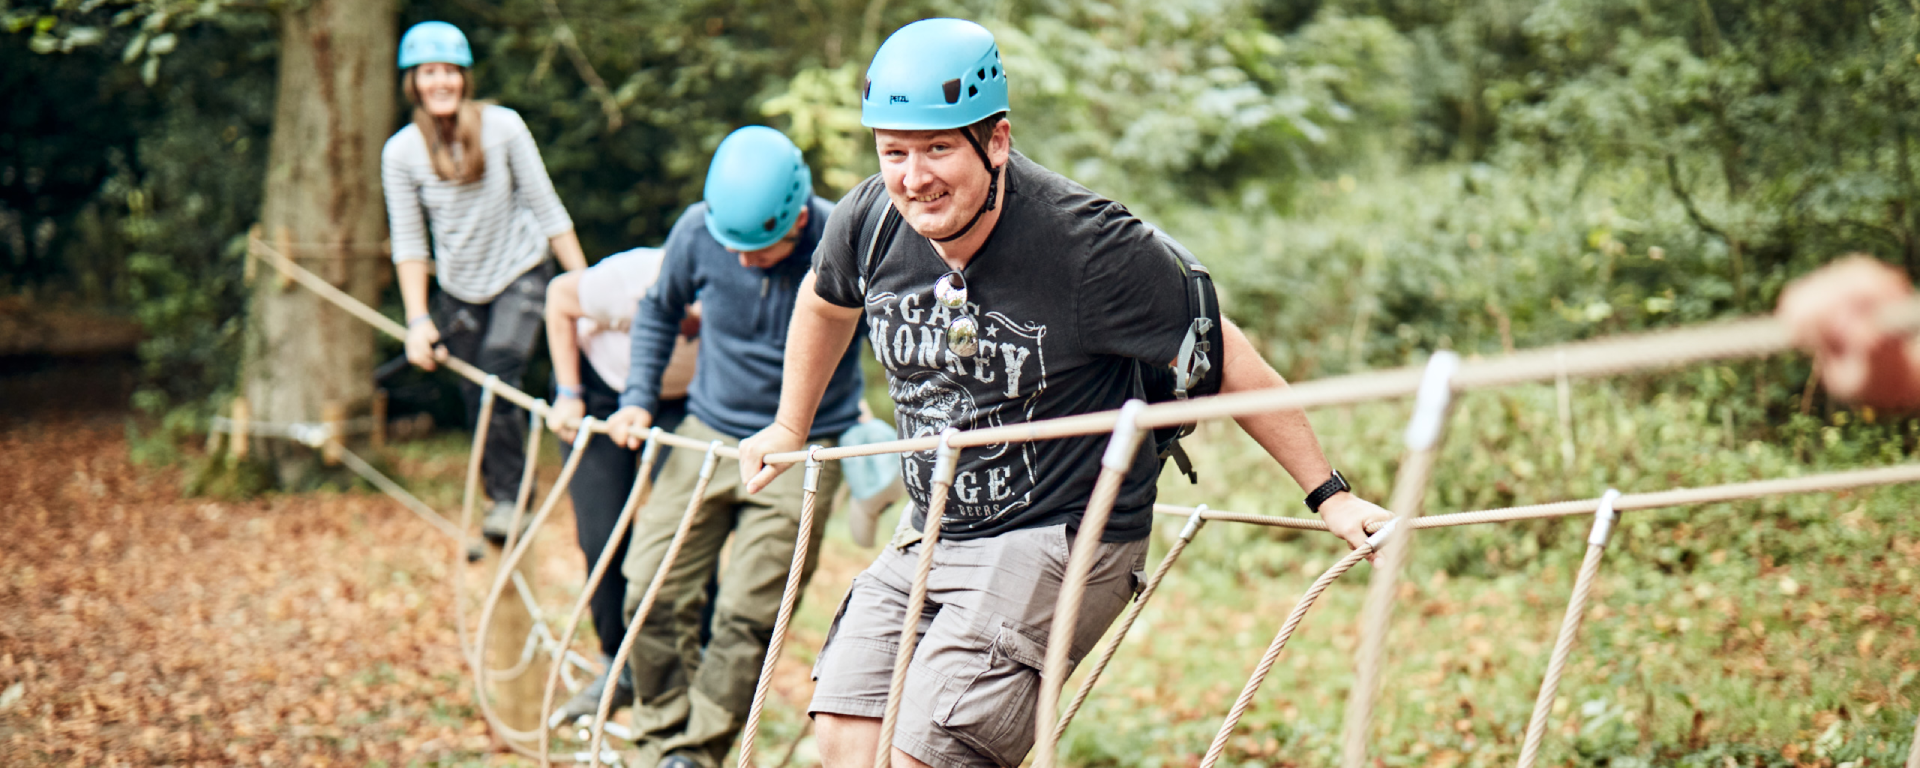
(938, 74)
(434, 42)
(756, 187)
(934, 74)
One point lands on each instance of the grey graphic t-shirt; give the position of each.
(1069, 290)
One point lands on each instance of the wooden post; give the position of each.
(242, 418)
(379, 416)
(334, 415)
(255, 235)
(283, 242)
(339, 258)
(1563, 393)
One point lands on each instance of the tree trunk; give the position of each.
(323, 204)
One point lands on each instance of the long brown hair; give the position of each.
(458, 158)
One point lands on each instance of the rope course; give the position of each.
(1434, 388)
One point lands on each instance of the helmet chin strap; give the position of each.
(993, 190)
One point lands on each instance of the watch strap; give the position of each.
(1332, 486)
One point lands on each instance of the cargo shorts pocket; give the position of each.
(992, 711)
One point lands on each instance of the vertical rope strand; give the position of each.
(467, 503)
(1569, 628)
(1126, 623)
(946, 459)
(789, 598)
(599, 729)
(1086, 547)
(534, 428)
(1267, 660)
(1424, 431)
(1913, 756)
(642, 489)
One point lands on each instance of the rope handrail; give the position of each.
(1676, 497)
(1751, 337)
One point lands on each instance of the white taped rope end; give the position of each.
(946, 458)
(1194, 521)
(309, 435)
(1379, 537)
(811, 483)
(1126, 437)
(651, 447)
(581, 437)
(713, 460)
(1430, 405)
(1603, 519)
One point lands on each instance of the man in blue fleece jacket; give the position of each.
(742, 253)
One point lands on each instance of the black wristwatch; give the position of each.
(1326, 491)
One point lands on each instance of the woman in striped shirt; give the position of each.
(469, 174)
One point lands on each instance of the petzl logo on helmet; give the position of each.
(897, 99)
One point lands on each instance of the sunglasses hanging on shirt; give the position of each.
(963, 334)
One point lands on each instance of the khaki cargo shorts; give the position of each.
(974, 682)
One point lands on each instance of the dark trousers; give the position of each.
(599, 489)
(499, 338)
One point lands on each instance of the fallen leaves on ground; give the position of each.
(142, 627)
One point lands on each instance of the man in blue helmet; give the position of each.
(1013, 295)
(743, 253)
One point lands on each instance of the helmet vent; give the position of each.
(996, 71)
(867, 92)
(980, 75)
(972, 91)
(951, 89)
(771, 222)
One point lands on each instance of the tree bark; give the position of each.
(334, 110)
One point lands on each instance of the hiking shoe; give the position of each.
(585, 703)
(677, 760)
(498, 518)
